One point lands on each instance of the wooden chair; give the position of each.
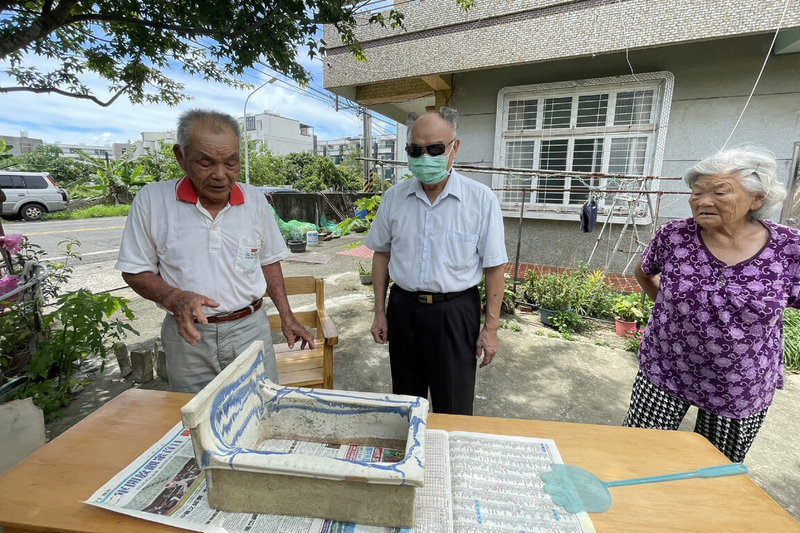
(307, 368)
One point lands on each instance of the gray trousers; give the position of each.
(190, 368)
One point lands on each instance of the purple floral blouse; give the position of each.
(715, 338)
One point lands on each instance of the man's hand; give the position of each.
(294, 331)
(487, 345)
(187, 307)
(380, 328)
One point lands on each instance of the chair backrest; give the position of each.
(303, 285)
(307, 368)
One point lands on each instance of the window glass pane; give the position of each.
(5, 182)
(522, 115)
(35, 182)
(250, 123)
(557, 112)
(592, 110)
(627, 155)
(519, 154)
(587, 157)
(553, 157)
(633, 107)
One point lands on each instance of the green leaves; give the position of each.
(118, 180)
(131, 44)
(83, 326)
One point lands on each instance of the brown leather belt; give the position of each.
(239, 313)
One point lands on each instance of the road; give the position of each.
(99, 244)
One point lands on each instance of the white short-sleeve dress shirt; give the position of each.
(439, 247)
(170, 234)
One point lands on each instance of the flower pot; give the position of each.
(545, 314)
(297, 246)
(624, 327)
(366, 279)
(11, 388)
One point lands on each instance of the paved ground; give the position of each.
(534, 376)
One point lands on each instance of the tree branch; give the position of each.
(96, 17)
(40, 27)
(40, 90)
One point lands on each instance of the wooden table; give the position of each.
(44, 492)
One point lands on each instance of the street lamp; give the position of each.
(244, 136)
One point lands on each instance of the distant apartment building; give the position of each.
(383, 147)
(281, 135)
(103, 153)
(151, 142)
(20, 145)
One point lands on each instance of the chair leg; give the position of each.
(327, 367)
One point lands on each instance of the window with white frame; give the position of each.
(608, 125)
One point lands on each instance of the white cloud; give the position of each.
(56, 118)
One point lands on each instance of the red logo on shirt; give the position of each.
(253, 250)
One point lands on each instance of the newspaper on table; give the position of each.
(473, 482)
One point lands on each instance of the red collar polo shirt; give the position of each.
(170, 234)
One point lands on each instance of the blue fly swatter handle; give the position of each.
(710, 471)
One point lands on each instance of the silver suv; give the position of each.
(30, 194)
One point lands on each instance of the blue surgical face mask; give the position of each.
(429, 169)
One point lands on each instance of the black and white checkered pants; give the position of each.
(654, 408)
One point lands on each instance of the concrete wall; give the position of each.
(712, 82)
(307, 207)
(21, 431)
(518, 32)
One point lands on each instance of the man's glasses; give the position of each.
(414, 150)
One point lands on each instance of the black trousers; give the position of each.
(432, 347)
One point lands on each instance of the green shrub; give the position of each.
(95, 211)
(567, 322)
(592, 296)
(791, 339)
(81, 327)
(555, 292)
(508, 303)
(581, 290)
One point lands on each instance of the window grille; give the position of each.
(609, 126)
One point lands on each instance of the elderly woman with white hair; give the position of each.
(721, 280)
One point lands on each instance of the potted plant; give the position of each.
(553, 293)
(364, 274)
(628, 310)
(297, 246)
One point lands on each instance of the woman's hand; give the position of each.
(649, 284)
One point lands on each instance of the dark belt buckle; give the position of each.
(425, 298)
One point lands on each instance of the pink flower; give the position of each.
(11, 242)
(8, 283)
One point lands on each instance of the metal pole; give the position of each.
(367, 142)
(519, 241)
(244, 134)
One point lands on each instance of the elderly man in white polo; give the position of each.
(206, 248)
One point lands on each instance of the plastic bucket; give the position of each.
(312, 238)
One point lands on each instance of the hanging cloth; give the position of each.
(588, 216)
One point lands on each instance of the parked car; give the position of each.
(30, 194)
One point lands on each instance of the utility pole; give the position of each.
(367, 142)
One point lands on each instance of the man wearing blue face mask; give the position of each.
(435, 235)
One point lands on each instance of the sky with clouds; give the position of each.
(55, 118)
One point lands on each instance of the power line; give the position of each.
(758, 78)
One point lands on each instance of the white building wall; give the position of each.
(281, 135)
(712, 82)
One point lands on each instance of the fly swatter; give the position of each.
(577, 489)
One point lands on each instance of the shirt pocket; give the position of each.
(460, 250)
(247, 255)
